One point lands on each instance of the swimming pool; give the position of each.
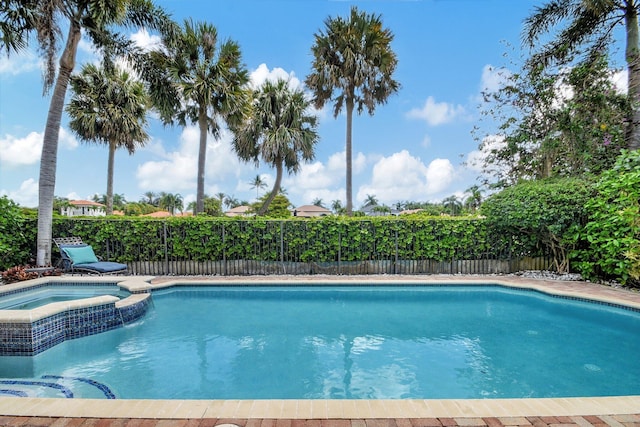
(337, 342)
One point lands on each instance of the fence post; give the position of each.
(284, 270)
(395, 262)
(224, 252)
(339, 250)
(166, 249)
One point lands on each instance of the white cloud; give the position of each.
(440, 173)
(621, 80)
(26, 151)
(314, 176)
(493, 79)
(23, 62)
(436, 113)
(402, 176)
(262, 74)
(20, 151)
(177, 171)
(146, 41)
(26, 195)
(476, 159)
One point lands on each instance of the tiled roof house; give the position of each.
(83, 208)
(308, 211)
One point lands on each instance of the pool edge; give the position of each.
(317, 409)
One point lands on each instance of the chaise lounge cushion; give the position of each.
(102, 266)
(81, 254)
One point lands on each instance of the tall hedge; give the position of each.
(544, 213)
(611, 238)
(15, 236)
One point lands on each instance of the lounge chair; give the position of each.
(77, 257)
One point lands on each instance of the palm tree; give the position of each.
(46, 18)
(221, 196)
(171, 202)
(258, 183)
(371, 200)
(318, 202)
(452, 205)
(231, 202)
(589, 25)
(108, 106)
(353, 65)
(336, 206)
(474, 198)
(280, 131)
(150, 197)
(210, 79)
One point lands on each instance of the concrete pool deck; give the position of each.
(612, 411)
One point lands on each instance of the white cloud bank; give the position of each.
(27, 150)
(437, 113)
(402, 176)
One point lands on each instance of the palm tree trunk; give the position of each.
(276, 187)
(202, 153)
(633, 64)
(112, 153)
(49, 158)
(349, 156)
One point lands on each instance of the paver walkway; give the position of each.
(582, 421)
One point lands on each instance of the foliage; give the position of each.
(97, 21)
(611, 238)
(278, 208)
(279, 132)
(19, 273)
(206, 81)
(109, 106)
(561, 31)
(544, 213)
(15, 245)
(565, 124)
(353, 66)
(139, 208)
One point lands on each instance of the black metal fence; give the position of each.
(218, 247)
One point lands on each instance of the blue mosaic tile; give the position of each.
(28, 339)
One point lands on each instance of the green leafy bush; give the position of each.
(540, 213)
(611, 238)
(15, 246)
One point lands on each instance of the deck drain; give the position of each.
(591, 367)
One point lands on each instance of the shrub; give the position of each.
(544, 213)
(612, 236)
(14, 245)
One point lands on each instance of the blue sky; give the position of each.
(414, 148)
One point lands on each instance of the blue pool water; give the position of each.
(39, 296)
(346, 342)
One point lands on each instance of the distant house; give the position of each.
(239, 211)
(83, 208)
(378, 211)
(309, 211)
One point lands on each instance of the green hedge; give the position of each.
(325, 239)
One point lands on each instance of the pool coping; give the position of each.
(345, 409)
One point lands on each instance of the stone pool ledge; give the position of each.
(414, 409)
(29, 332)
